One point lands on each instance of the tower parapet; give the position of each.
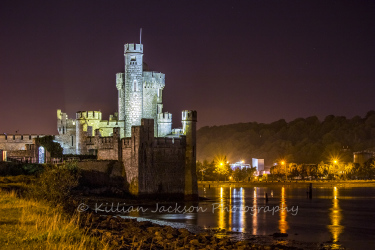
(164, 124)
(92, 115)
(133, 48)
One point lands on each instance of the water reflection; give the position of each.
(255, 215)
(242, 224)
(335, 215)
(283, 224)
(221, 223)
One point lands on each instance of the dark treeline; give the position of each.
(303, 140)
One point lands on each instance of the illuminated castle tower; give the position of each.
(140, 94)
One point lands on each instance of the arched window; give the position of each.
(42, 155)
(135, 85)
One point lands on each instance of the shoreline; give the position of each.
(132, 233)
(293, 184)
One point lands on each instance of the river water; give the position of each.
(341, 216)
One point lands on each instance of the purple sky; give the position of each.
(232, 61)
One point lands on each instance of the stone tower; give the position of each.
(120, 85)
(140, 94)
(133, 87)
(189, 124)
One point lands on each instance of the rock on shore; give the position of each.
(123, 233)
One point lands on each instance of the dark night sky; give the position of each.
(232, 61)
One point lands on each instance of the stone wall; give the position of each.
(16, 142)
(153, 165)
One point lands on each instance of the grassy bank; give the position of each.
(28, 224)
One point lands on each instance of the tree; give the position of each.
(222, 167)
(50, 145)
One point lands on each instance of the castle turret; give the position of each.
(133, 86)
(164, 123)
(189, 126)
(85, 126)
(120, 85)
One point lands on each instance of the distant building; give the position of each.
(239, 165)
(258, 164)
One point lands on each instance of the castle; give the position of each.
(155, 157)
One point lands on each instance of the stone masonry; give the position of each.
(155, 158)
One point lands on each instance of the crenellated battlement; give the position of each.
(126, 142)
(18, 137)
(133, 48)
(93, 115)
(165, 117)
(170, 142)
(189, 115)
(177, 131)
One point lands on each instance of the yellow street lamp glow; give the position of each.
(283, 162)
(221, 164)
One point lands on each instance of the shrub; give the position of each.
(55, 184)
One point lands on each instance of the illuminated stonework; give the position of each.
(156, 159)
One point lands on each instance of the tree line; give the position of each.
(331, 171)
(302, 141)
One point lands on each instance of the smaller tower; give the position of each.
(120, 85)
(189, 127)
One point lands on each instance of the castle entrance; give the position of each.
(42, 155)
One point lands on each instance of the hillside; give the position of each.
(303, 140)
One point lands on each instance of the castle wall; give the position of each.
(153, 165)
(162, 168)
(108, 147)
(16, 142)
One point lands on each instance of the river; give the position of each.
(338, 216)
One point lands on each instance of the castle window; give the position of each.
(133, 60)
(72, 141)
(29, 137)
(135, 85)
(14, 137)
(21, 137)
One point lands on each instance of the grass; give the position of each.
(29, 224)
